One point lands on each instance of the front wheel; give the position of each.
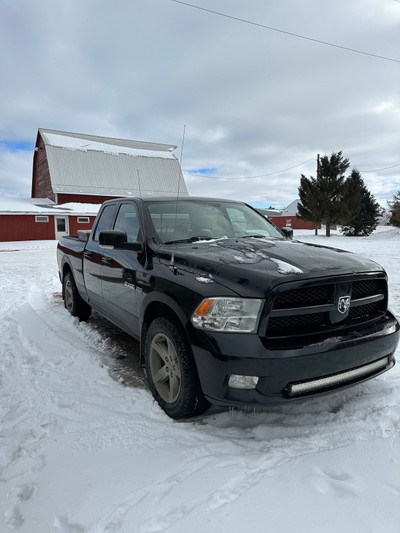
(171, 370)
(72, 301)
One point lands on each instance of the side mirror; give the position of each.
(287, 232)
(112, 238)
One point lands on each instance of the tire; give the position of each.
(72, 301)
(171, 371)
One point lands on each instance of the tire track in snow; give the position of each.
(262, 442)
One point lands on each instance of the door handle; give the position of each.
(87, 254)
(107, 260)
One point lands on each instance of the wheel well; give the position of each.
(66, 269)
(153, 311)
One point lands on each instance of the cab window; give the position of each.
(106, 220)
(128, 221)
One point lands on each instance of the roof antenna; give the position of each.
(179, 179)
(138, 176)
(180, 161)
(183, 142)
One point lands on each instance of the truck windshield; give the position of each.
(194, 220)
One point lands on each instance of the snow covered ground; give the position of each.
(83, 447)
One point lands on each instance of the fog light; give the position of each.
(242, 382)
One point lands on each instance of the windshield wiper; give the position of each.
(254, 236)
(190, 239)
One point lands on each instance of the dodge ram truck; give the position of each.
(227, 308)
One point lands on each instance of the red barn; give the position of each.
(75, 167)
(80, 172)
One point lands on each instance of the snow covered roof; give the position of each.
(86, 143)
(44, 206)
(270, 212)
(291, 209)
(90, 164)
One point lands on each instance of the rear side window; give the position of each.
(106, 220)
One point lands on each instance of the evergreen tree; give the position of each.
(352, 196)
(310, 201)
(362, 209)
(322, 198)
(332, 178)
(395, 209)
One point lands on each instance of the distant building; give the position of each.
(270, 212)
(288, 218)
(384, 218)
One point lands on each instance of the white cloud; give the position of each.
(254, 101)
(16, 173)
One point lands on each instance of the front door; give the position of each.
(119, 273)
(61, 224)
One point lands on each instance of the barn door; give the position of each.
(61, 226)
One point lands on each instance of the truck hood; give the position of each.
(252, 266)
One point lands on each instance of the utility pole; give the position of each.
(316, 223)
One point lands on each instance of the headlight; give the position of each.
(239, 315)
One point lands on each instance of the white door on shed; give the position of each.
(61, 224)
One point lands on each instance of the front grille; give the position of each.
(297, 324)
(366, 287)
(304, 296)
(369, 310)
(321, 309)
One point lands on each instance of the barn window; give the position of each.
(41, 219)
(83, 220)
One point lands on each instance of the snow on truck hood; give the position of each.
(250, 266)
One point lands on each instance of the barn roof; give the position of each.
(105, 166)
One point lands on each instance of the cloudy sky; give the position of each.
(258, 104)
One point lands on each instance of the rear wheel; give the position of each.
(72, 301)
(171, 370)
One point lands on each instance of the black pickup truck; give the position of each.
(229, 310)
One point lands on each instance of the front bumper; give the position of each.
(218, 355)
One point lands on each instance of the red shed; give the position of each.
(27, 219)
(291, 221)
(287, 218)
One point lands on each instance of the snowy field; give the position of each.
(84, 449)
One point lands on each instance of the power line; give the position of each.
(276, 172)
(379, 169)
(249, 177)
(252, 23)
